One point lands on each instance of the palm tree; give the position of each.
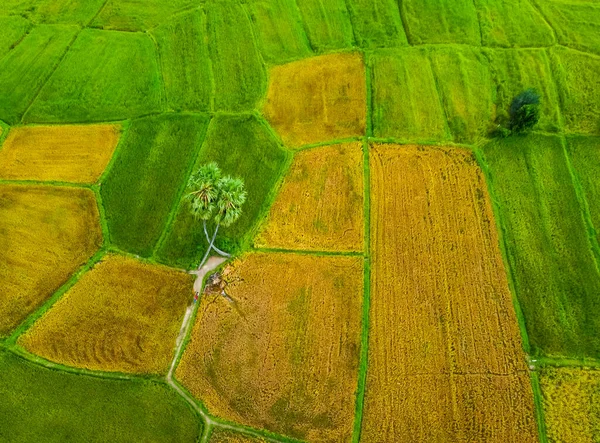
(204, 192)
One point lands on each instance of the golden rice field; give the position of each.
(47, 233)
(571, 404)
(122, 315)
(281, 352)
(72, 153)
(445, 356)
(318, 99)
(224, 436)
(320, 205)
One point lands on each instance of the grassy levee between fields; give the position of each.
(183, 47)
(445, 358)
(243, 147)
(14, 30)
(40, 404)
(77, 154)
(548, 247)
(240, 77)
(105, 76)
(46, 234)
(406, 103)
(508, 24)
(441, 21)
(279, 30)
(135, 15)
(377, 23)
(317, 100)
(25, 69)
(122, 315)
(145, 180)
(320, 204)
(578, 82)
(281, 351)
(584, 153)
(571, 403)
(327, 24)
(576, 23)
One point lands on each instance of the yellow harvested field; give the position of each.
(46, 233)
(77, 153)
(571, 404)
(320, 206)
(122, 315)
(224, 436)
(445, 354)
(318, 99)
(281, 351)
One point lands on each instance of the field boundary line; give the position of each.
(18, 42)
(584, 205)
(52, 72)
(337, 141)
(319, 253)
(366, 302)
(55, 183)
(304, 28)
(478, 22)
(179, 196)
(125, 125)
(175, 15)
(564, 362)
(98, 12)
(429, 143)
(50, 301)
(165, 98)
(436, 82)
(102, 214)
(369, 91)
(404, 21)
(534, 4)
(513, 287)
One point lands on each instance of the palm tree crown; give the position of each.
(204, 191)
(230, 201)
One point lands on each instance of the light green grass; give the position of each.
(327, 24)
(279, 30)
(43, 405)
(512, 23)
(514, 71)
(405, 99)
(466, 88)
(377, 23)
(105, 76)
(556, 279)
(183, 48)
(242, 147)
(24, 70)
(13, 30)
(76, 12)
(136, 15)
(576, 22)
(441, 21)
(239, 75)
(144, 182)
(585, 157)
(578, 80)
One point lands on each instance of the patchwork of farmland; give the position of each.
(403, 269)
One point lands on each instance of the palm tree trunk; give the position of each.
(210, 246)
(223, 253)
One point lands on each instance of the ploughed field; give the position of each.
(397, 274)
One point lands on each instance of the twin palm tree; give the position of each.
(213, 196)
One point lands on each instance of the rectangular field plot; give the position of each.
(406, 103)
(549, 252)
(578, 83)
(445, 356)
(278, 27)
(122, 315)
(585, 156)
(76, 154)
(104, 76)
(183, 47)
(441, 21)
(320, 205)
(44, 405)
(281, 350)
(327, 24)
(510, 23)
(571, 404)
(465, 84)
(46, 234)
(239, 76)
(146, 178)
(24, 70)
(377, 23)
(13, 29)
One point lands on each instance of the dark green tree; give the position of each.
(524, 111)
